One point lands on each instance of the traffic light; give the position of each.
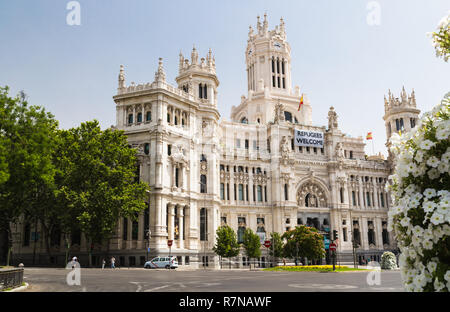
(335, 234)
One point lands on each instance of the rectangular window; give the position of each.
(246, 192)
(241, 192)
(351, 154)
(125, 229)
(235, 191)
(265, 193)
(344, 234)
(286, 192)
(203, 224)
(135, 230)
(238, 143)
(382, 199)
(130, 119)
(222, 191)
(246, 144)
(259, 188)
(228, 191)
(353, 198)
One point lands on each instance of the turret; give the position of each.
(400, 115)
(199, 79)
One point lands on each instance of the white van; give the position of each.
(162, 262)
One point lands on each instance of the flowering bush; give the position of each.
(441, 38)
(420, 189)
(388, 261)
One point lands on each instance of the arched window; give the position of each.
(203, 183)
(139, 117)
(244, 120)
(130, 119)
(288, 116)
(205, 91)
(148, 116)
(200, 91)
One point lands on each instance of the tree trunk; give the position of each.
(47, 238)
(9, 245)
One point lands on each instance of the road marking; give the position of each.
(139, 286)
(323, 286)
(156, 288)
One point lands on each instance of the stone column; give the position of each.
(141, 236)
(361, 195)
(364, 238)
(171, 221)
(378, 232)
(129, 233)
(180, 227)
(187, 224)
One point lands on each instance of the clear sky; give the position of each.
(338, 59)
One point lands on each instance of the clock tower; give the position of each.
(268, 58)
(269, 83)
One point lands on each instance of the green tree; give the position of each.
(251, 244)
(97, 182)
(226, 242)
(276, 248)
(26, 168)
(302, 242)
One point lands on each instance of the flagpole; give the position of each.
(373, 149)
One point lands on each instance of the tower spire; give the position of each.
(160, 75)
(121, 78)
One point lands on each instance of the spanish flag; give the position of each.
(369, 136)
(301, 102)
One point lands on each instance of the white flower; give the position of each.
(427, 144)
(420, 281)
(431, 266)
(444, 210)
(416, 196)
(438, 286)
(405, 221)
(429, 192)
(445, 157)
(433, 174)
(443, 167)
(414, 203)
(428, 206)
(447, 276)
(418, 231)
(445, 202)
(410, 189)
(427, 244)
(443, 193)
(412, 253)
(433, 161)
(437, 218)
(419, 156)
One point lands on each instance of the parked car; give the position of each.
(162, 262)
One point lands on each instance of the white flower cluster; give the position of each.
(440, 39)
(420, 190)
(388, 261)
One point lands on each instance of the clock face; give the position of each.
(277, 45)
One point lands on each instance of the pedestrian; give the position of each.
(296, 262)
(113, 261)
(103, 263)
(284, 262)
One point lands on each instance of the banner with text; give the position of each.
(309, 138)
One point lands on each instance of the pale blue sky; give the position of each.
(337, 58)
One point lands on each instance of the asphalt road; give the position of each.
(142, 280)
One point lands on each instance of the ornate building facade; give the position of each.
(251, 171)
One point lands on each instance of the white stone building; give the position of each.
(248, 172)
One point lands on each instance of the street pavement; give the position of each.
(162, 280)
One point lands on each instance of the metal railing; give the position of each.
(11, 278)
